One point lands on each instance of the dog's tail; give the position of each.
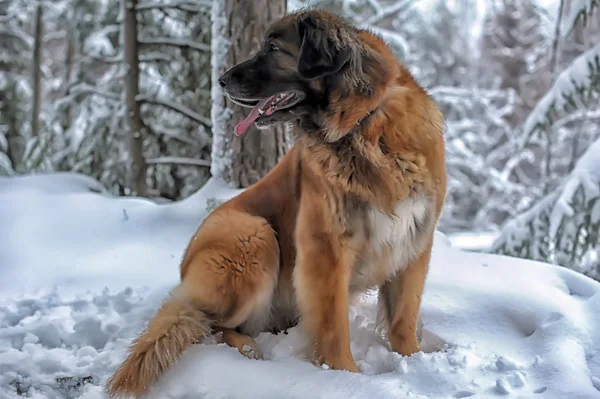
(176, 326)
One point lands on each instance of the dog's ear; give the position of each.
(319, 54)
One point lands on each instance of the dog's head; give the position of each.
(301, 57)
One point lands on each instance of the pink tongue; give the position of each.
(241, 127)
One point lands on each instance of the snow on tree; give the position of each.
(572, 87)
(565, 120)
(237, 30)
(89, 115)
(579, 13)
(15, 87)
(175, 81)
(478, 141)
(564, 227)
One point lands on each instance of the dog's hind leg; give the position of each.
(231, 270)
(228, 276)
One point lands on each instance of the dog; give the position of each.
(352, 206)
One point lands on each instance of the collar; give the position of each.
(364, 118)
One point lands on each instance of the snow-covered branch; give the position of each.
(394, 39)
(155, 57)
(175, 134)
(178, 161)
(571, 86)
(389, 11)
(191, 114)
(167, 41)
(84, 89)
(563, 227)
(100, 42)
(16, 33)
(183, 5)
(464, 92)
(580, 11)
(116, 59)
(578, 116)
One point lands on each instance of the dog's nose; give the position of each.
(223, 81)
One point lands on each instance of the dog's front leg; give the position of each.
(400, 299)
(321, 277)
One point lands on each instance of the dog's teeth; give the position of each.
(261, 111)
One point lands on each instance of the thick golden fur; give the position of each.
(352, 206)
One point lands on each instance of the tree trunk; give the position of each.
(138, 165)
(36, 75)
(554, 60)
(71, 30)
(238, 27)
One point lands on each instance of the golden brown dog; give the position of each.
(352, 206)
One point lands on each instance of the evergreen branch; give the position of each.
(389, 11)
(116, 59)
(191, 114)
(166, 160)
(183, 5)
(581, 12)
(85, 89)
(572, 86)
(181, 43)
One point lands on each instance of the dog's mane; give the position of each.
(371, 158)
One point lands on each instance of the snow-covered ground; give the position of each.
(81, 271)
(476, 241)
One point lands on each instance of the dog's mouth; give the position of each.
(264, 108)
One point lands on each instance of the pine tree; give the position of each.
(562, 227)
(175, 82)
(90, 119)
(15, 85)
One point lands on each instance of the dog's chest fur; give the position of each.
(393, 241)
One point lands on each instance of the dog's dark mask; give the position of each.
(278, 82)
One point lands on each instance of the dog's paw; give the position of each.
(251, 352)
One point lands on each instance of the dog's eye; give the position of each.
(273, 47)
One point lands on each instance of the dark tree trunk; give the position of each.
(138, 165)
(242, 161)
(554, 60)
(36, 75)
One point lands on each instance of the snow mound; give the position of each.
(491, 326)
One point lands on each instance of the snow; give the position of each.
(82, 271)
(99, 43)
(478, 241)
(44, 211)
